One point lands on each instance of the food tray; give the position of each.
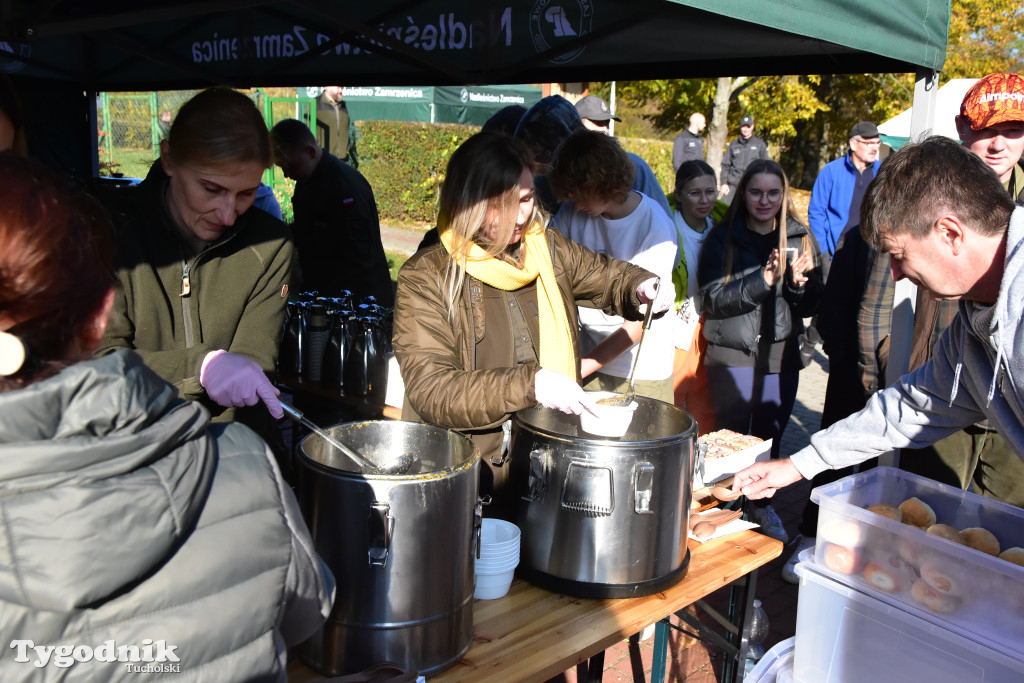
(985, 596)
(717, 469)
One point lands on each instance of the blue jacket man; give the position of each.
(839, 189)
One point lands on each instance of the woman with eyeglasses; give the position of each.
(696, 193)
(754, 301)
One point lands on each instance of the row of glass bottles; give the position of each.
(337, 342)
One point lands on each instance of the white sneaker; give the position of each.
(789, 569)
(771, 523)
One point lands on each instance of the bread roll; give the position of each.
(844, 532)
(909, 552)
(881, 577)
(1014, 555)
(917, 513)
(842, 559)
(933, 600)
(886, 510)
(980, 539)
(943, 576)
(947, 532)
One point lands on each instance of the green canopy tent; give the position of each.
(62, 53)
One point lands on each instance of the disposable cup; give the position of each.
(510, 554)
(497, 534)
(602, 420)
(491, 586)
(497, 567)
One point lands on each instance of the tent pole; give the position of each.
(922, 120)
(611, 122)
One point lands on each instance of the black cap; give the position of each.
(864, 129)
(594, 108)
(544, 125)
(746, 121)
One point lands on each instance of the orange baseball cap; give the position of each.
(994, 99)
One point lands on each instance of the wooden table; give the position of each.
(532, 634)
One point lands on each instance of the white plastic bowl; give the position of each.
(602, 420)
(496, 566)
(496, 534)
(491, 586)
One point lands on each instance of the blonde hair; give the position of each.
(482, 178)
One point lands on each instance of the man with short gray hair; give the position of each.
(839, 188)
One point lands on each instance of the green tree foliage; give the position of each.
(806, 119)
(985, 36)
(405, 164)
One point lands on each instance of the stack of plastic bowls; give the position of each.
(499, 556)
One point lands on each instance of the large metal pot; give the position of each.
(400, 546)
(600, 517)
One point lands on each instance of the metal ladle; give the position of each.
(399, 465)
(627, 398)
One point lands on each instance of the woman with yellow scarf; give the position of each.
(485, 322)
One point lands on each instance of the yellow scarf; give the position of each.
(556, 347)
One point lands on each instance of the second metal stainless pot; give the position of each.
(604, 517)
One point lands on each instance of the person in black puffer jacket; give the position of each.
(755, 300)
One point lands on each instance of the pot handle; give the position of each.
(478, 522)
(539, 460)
(643, 488)
(380, 525)
(698, 463)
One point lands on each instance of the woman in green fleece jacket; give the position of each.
(202, 278)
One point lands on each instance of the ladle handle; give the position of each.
(296, 414)
(292, 412)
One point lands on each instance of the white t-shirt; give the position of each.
(688, 315)
(647, 238)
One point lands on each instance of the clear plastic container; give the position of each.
(777, 660)
(980, 594)
(846, 636)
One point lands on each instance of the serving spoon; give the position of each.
(627, 398)
(399, 465)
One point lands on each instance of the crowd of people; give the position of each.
(139, 339)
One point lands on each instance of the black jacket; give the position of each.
(687, 146)
(738, 156)
(736, 305)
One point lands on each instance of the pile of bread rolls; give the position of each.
(934, 579)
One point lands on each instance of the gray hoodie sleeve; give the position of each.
(917, 410)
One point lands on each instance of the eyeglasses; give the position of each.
(697, 195)
(875, 142)
(758, 195)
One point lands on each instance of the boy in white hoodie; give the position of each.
(593, 176)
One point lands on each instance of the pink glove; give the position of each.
(234, 380)
(557, 392)
(648, 291)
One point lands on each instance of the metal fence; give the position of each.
(132, 124)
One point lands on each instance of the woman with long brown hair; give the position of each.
(760, 276)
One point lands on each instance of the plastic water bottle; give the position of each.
(757, 631)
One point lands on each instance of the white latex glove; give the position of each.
(557, 392)
(648, 291)
(234, 380)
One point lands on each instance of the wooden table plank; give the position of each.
(532, 634)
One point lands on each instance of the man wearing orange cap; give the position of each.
(991, 124)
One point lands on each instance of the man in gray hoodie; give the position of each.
(951, 228)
